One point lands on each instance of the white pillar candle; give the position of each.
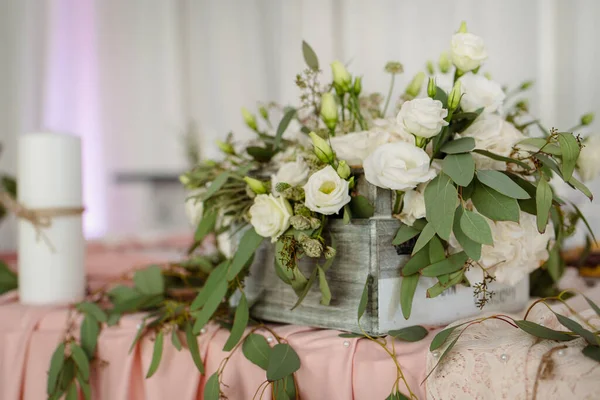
(51, 264)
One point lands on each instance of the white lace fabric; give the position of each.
(494, 360)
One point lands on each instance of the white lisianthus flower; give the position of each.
(414, 205)
(356, 146)
(467, 51)
(396, 132)
(478, 92)
(194, 207)
(270, 216)
(518, 250)
(587, 164)
(422, 117)
(398, 166)
(494, 134)
(325, 192)
(294, 173)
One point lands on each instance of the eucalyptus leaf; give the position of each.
(570, 152)
(206, 225)
(426, 235)
(444, 354)
(246, 249)
(444, 282)
(476, 227)
(578, 329)
(441, 199)
(216, 276)
(581, 187)
(240, 321)
(462, 145)
(212, 389)
(459, 167)
(404, 234)
(310, 57)
(324, 287)
(407, 293)
(442, 336)
(216, 185)
(72, 393)
(497, 157)
(409, 334)
(553, 263)
(256, 349)
(361, 208)
(311, 281)
(451, 264)
(192, 344)
(90, 329)
(495, 205)
(156, 354)
(175, 341)
(211, 305)
(362, 306)
(502, 184)
(585, 221)
(470, 247)
(542, 332)
(593, 305)
(540, 143)
(149, 280)
(416, 263)
(543, 201)
(592, 352)
(436, 250)
(85, 388)
(81, 360)
(283, 361)
(8, 279)
(92, 309)
(347, 214)
(283, 125)
(56, 364)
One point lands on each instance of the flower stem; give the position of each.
(389, 96)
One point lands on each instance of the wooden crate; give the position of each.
(364, 248)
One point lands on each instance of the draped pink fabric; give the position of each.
(330, 368)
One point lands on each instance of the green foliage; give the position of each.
(212, 389)
(257, 350)
(570, 152)
(409, 334)
(283, 361)
(542, 332)
(240, 321)
(426, 235)
(206, 225)
(310, 57)
(462, 145)
(543, 201)
(502, 184)
(476, 228)
(324, 287)
(407, 293)
(8, 279)
(248, 245)
(471, 247)
(361, 208)
(441, 199)
(404, 234)
(459, 167)
(156, 354)
(416, 263)
(283, 125)
(451, 264)
(495, 205)
(362, 305)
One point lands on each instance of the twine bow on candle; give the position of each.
(40, 218)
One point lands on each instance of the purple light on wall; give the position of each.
(71, 97)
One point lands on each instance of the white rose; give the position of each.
(467, 51)
(355, 147)
(587, 164)
(518, 250)
(270, 215)
(325, 192)
(294, 173)
(398, 166)
(414, 205)
(194, 207)
(478, 92)
(494, 134)
(422, 117)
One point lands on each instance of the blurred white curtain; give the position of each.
(132, 76)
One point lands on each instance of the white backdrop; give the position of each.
(131, 76)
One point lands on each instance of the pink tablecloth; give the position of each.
(331, 367)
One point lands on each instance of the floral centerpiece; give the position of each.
(467, 178)
(470, 172)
